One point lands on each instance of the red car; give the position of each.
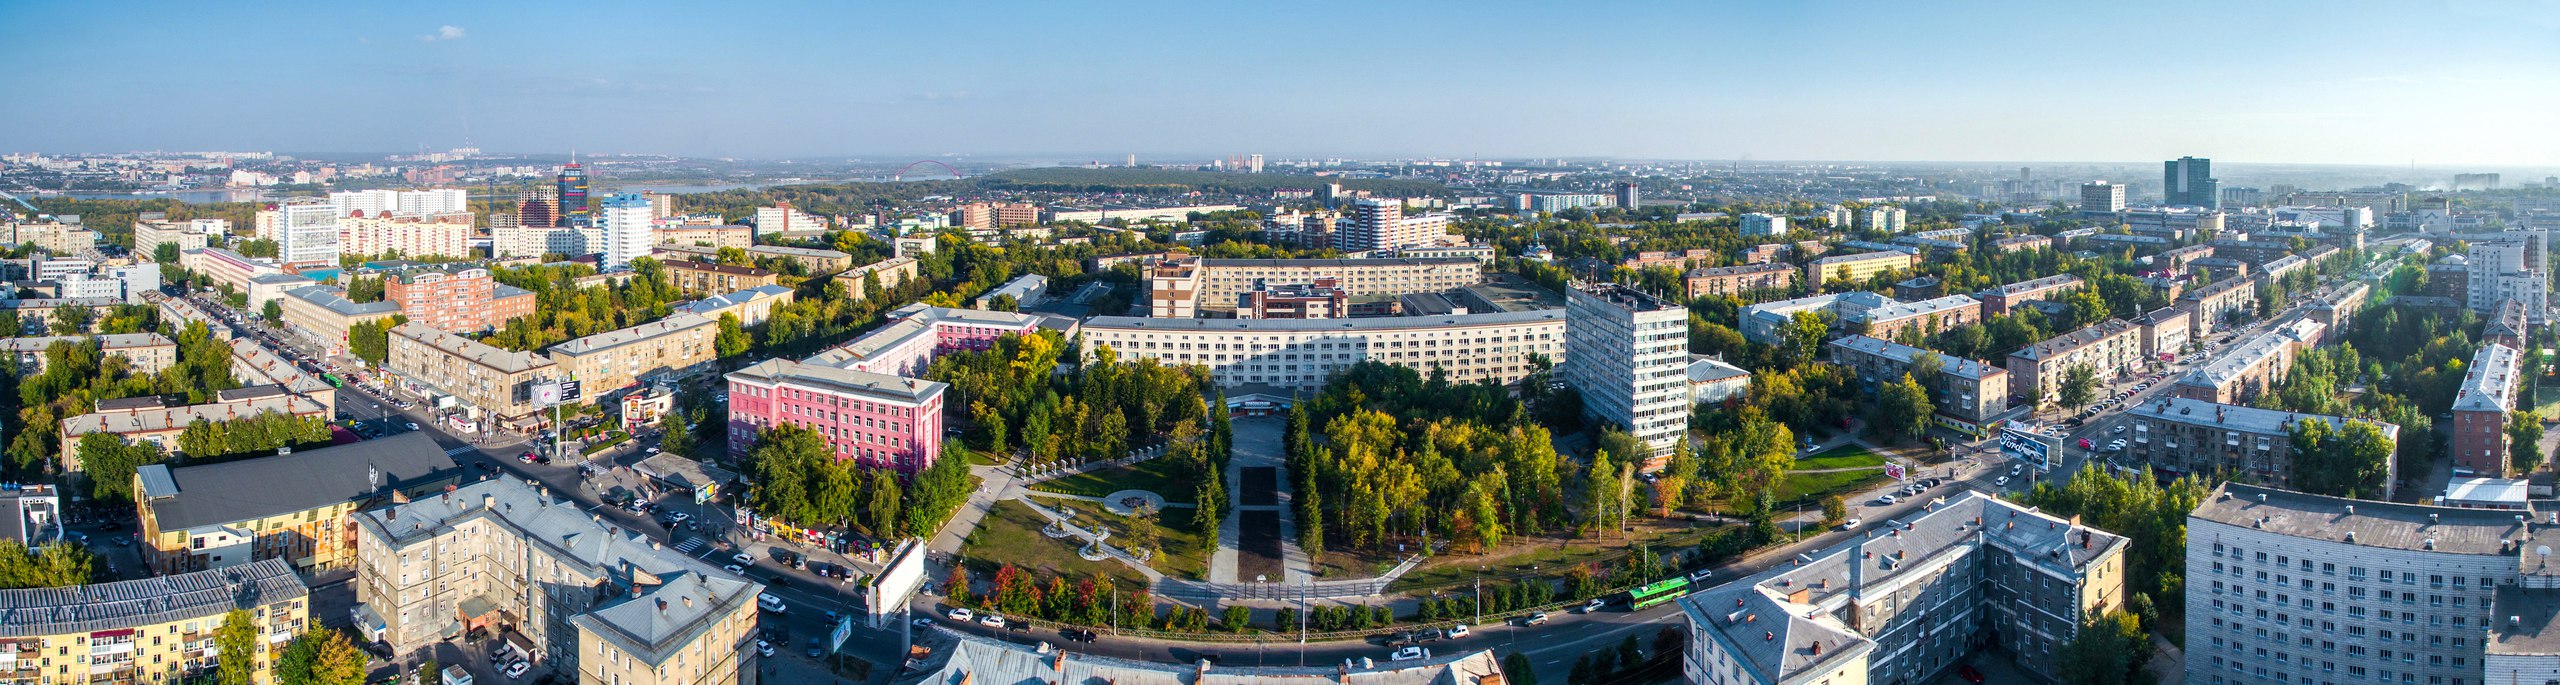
(2084, 443)
(1969, 675)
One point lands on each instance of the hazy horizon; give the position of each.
(1850, 83)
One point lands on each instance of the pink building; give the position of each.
(863, 394)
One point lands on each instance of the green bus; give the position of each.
(1658, 593)
(333, 380)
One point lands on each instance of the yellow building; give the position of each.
(1856, 267)
(292, 507)
(155, 630)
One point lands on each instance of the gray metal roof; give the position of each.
(978, 661)
(672, 325)
(1341, 263)
(34, 612)
(773, 371)
(2490, 385)
(1381, 323)
(1948, 364)
(335, 300)
(502, 361)
(2241, 418)
(2071, 342)
(2387, 525)
(228, 492)
(2228, 367)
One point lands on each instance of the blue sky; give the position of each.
(2471, 82)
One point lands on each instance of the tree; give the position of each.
(2079, 387)
(371, 340)
(110, 464)
(273, 311)
(320, 656)
(679, 433)
(1804, 334)
(957, 588)
(733, 339)
(1516, 670)
(2110, 649)
(1834, 510)
(165, 253)
(2524, 440)
(237, 643)
(1600, 494)
(1237, 618)
(2347, 461)
(1903, 407)
(71, 319)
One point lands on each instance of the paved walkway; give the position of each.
(998, 484)
(1107, 502)
(1257, 444)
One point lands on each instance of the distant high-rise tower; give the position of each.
(1626, 191)
(2189, 182)
(573, 192)
(626, 223)
(1133, 160)
(536, 208)
(1254, 164)
(308, 232)
(2101, 197)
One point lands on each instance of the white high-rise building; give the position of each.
(2101, 197)
(626, 222)
(1757, 224)
(783, 218)
(404, 202)
(1884, 218)
(1382, 225)
(1627, 353)
(2511, 266)
(307, 231)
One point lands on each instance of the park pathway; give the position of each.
(1257, 447)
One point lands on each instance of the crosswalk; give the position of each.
(690, 544)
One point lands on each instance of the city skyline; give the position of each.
(1850, 81)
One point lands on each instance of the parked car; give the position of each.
(2001, 481)
(734, 568)
(1409, 654)
(764, 649)
(991, 621)
(742, 558)
(959, 615)
(517, 669)
(1969, 673)
(770, 602)
(1534, 619)
(1851, 524)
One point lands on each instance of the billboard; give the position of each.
(548, 393)
(898, 583)
(2027, 447)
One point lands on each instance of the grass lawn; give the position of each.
(1180, 552)
(1549, 556)
(1842, 457)
(1160, 476)
(2547, 400)
(1011, 535)
(1807, 487)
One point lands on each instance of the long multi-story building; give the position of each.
(2179, 436)
(1382, 225)
(714, 236)
(2381, 591)
(2101, 197)
(995, 215)
(1927, 317)
(2481, 409)
(591, 598)
(404, 202)
(1969, 394)
(144, 353)
(2215, 303)
(1758, 224)
(698, 278)
(148, 236)
(1626, 351)
(865, 395)
(227, 268)
(1766, 322)
(154, 630)
(491, 384)
(428, 235)
(2189, 182)
(1304, 353)
(752, 306)
(1216, 283)
(53, 237)
(1733, 280)
(1903, 603)
(2165, 332)
(2109, 349)
(153, 421)
(1999, 300)
(293, 507)
(782, 218)
(2242, 372)
(537, 241)
(1856, 267)
(675, 346)
(2514, 265)
(458, 299)
(2338, 310)
(324, 313)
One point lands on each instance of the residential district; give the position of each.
(470, 418)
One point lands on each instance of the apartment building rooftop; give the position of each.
(2232, 364)
(2490, 384)
(1378, 323)
(168, 418)
(500, 360)
(972, 659)
(726, 300)
(1341, 263)
(843, 379)
(2033, 285)
(335, 300)
(914, 320)
(116, 341)
(1774, 621)
(1953, 365)
(151, 601)
(1740, 269)
(247, 489)
(717, 268)
(2067, 343)
(607, 340)
(2241, 417)
(1882, 251)
(2387, 525)
(1905, 310)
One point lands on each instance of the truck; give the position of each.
(454, 675)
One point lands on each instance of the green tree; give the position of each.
(1835, 509)
(2079, 387)
(678, 425)
(733, 339)
(1516, 670)
(2348, 461)
(1600, 494)
(2524, 440)
(110, 464)
(1804, 335)
(165, 253)
(237, 643)
(1903, 407)
(320, 656)
(71, 319)
(273, 311)
(2110, 649)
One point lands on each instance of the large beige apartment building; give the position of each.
(431, 235)
(154, 630)
(292, 507)
(2109, 348)
(1856, 267)
(1303, 353)
(2214, 303)
(148, 236)
(1734, 280)
(324, 312)
(57, 238)
(2242, 372)
(2180, 436)
(461, 299)
(729, 235)
(674, 346)
(490, 383)
(593, 598)
(703, 278)
(146, 353)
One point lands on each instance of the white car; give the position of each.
(1457, 631)
(764, 649)
(1534, 619)
(991, 621)
(678, 517)
(1594, 606)
(413, 426)
(742, 558)
(1887, 500)
(734, 568)
(960, 615)
(1851, 524)
(1701, 574)
(2003, 480)
(517, 669)
(769, 602)
(1409, 654)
